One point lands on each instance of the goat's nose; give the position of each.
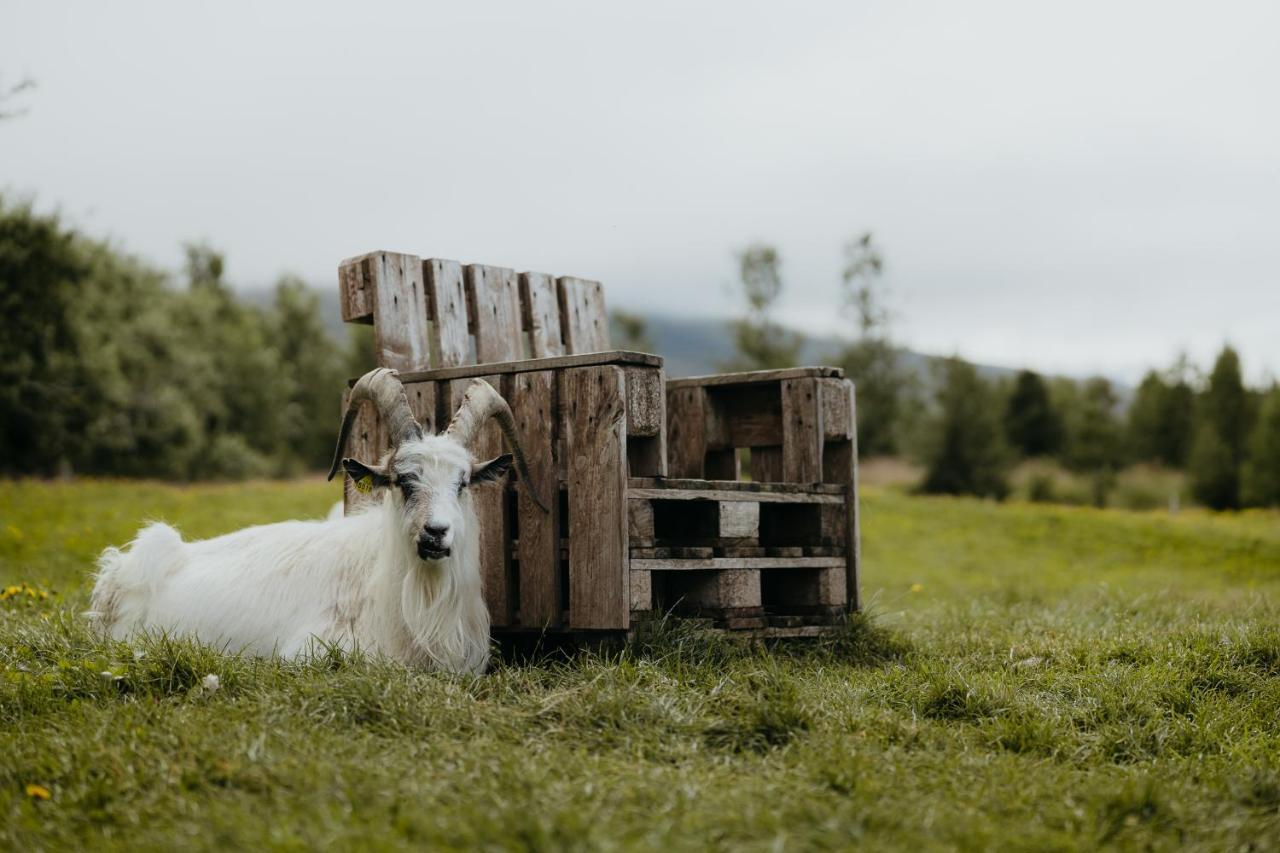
(434, 534)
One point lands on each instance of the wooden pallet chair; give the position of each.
(650, 509)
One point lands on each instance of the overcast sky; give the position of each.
(1079, 187)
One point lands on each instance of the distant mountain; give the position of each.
(690, 346)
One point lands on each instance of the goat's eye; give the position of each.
(462, 484)
(406, 489)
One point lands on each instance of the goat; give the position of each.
(400, 579)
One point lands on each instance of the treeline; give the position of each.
(108, 367)
(969, 431)
(1224, 435)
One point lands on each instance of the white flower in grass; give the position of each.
(210, 683)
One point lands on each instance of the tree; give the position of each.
(761, 343)
(871, 361)
(1219, 448)
(1096, 447)
(630, 332)
(1031, 424)
(1261, 482)
(8, 93)
(966, 453)
(1161, 421)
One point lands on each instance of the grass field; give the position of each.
(1032, 677)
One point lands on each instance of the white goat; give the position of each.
(399, 579)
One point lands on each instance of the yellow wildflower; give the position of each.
(38, 792)
(917, 587)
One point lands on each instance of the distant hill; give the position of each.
(690, 346)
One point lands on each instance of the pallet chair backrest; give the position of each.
(438, 313)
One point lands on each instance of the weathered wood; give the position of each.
(355, 290)
(640, 523)
(424, 402)
(835, 409)
(493, 303)
(533, 405)
(675, 489)
(747, 416)
(853, 533)
(621, 358)
(583, 321)
(740, 519)
(541, 314)
(766, 464)
(673, 565)
(595, 422)
(641, 592)
(447, 310)
(755, 376)
(400, 339)
(686, 431)
(489, 501)
(802, 431)
(732, 588)
(722, 465)
(367, 442)
(646, 412)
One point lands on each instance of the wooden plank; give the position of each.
(747, 416)
(674, 565)
(674, 488)
(355, 290)
(732, 588)
(621, 358)
(835, 409)
(489, 501)
(594, 410)
(640, 523)
(493, 297)
(766, 464)
(686, 431)
(641, 592)
(740, 519)
(540, 308)
(367, 442)
(424, 402)
(646, 404)
(400, 339)
(853, 533)
(532, 403)
(447, 310)
(583, 321)
(755, 376)
(802, 431)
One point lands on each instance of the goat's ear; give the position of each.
(366, 477)
(494, 469)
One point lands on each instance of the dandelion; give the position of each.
(38, 792)
(210, 683)
(917, 587)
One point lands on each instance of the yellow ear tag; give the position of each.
(365, 484)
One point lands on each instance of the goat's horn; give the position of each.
(480, 403)
(383, 387)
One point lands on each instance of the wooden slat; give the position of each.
(755, 376)
(493, 295)
(646, 409)
(674, 565)
(622, 358)
(400, 339)
(540, 307)
(640, 523)
(733, 588)
(641, 592)
(423, 400)
(367, 442)
(801, 431)
(447, 310)
(583, 321)
(594, 401)
(766, 464)
(848, 474)
(739, 519)
(533, 405)
(836, 408)
(490, 505)
(355, 290)
(672, 488)
(686, 431)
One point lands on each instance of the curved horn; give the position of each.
(480, 403)
(383, 387)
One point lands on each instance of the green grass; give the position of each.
(1033, 677)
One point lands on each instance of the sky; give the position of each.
(1080, 188)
